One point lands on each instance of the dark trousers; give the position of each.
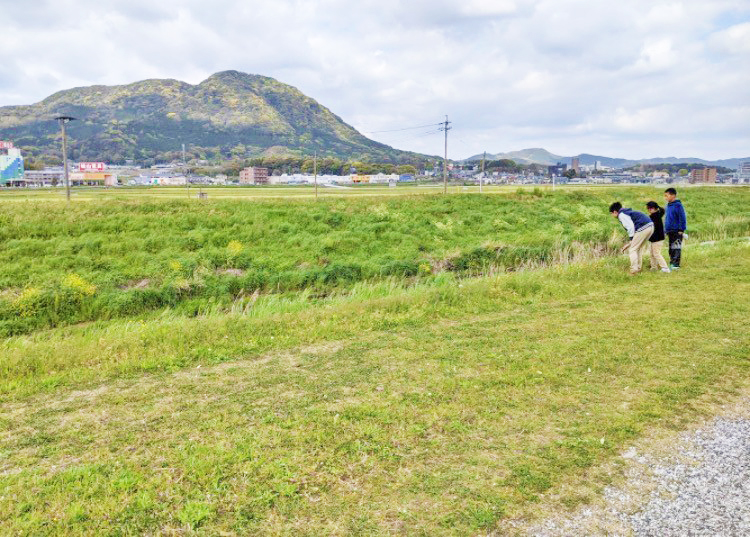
(675, 247)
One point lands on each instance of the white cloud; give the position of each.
(734, 40)
(656, 55)
(624, 79)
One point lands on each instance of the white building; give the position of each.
(383, 178)
(743, 172)
(179, 180)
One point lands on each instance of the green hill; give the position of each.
(229, 113)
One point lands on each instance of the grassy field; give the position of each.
(302, 192)
(219, 192)
(63, 264)
(435, 403)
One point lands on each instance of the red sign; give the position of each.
(6, 145)
(91, 166)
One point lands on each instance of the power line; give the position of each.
(414, 137)
(404, 129)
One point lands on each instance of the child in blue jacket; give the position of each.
(675, 225)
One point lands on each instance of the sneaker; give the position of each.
(665, 270)
(674, 267)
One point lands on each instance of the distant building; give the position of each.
(93, 179)
(45, 177)
(174, 180)
(576, 165)
(558, 169)
(254, 176)
(11, 164)
(382, 178)
(743, 172)
(93, 174)
(703, 175)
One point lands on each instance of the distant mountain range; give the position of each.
(544, 157)
(229, 113)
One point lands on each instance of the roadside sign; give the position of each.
(6, 145)
(91, 166)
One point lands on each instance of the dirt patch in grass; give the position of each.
(230, 272)
(139, 284)
(10, 293)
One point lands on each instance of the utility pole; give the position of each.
(63, 120)
(445, 128)
(315, 172)
(481, 177)
(184, 170)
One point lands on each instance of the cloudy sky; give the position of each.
(633, 79)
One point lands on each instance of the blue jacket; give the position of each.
(675, 219)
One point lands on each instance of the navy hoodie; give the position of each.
(675, 219)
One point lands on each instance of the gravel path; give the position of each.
(710, 497)
(699, 487)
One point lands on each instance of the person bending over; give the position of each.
(639, 228)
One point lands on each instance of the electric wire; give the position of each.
(413, 137)
(404, 129)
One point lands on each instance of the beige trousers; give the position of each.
(657, 260)
(637, 246)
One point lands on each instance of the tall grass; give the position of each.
(116, 259)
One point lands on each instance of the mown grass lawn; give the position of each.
(437, 409)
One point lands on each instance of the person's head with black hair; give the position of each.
(653, 207)
(614, 209)
(670, 194)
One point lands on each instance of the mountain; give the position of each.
(228, 113)
(544, 157)
(535, 155)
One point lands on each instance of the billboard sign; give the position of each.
(6, 145)
(91, 166)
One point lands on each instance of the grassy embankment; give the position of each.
(114, 259)
(433, 408)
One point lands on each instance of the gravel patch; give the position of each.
(709, 497)
(698, 486)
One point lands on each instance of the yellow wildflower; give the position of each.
(234, 247)
(75, 283)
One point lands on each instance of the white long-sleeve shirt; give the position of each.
(627, 223)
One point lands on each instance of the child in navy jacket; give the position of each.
(639, 228)
(675, 224)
